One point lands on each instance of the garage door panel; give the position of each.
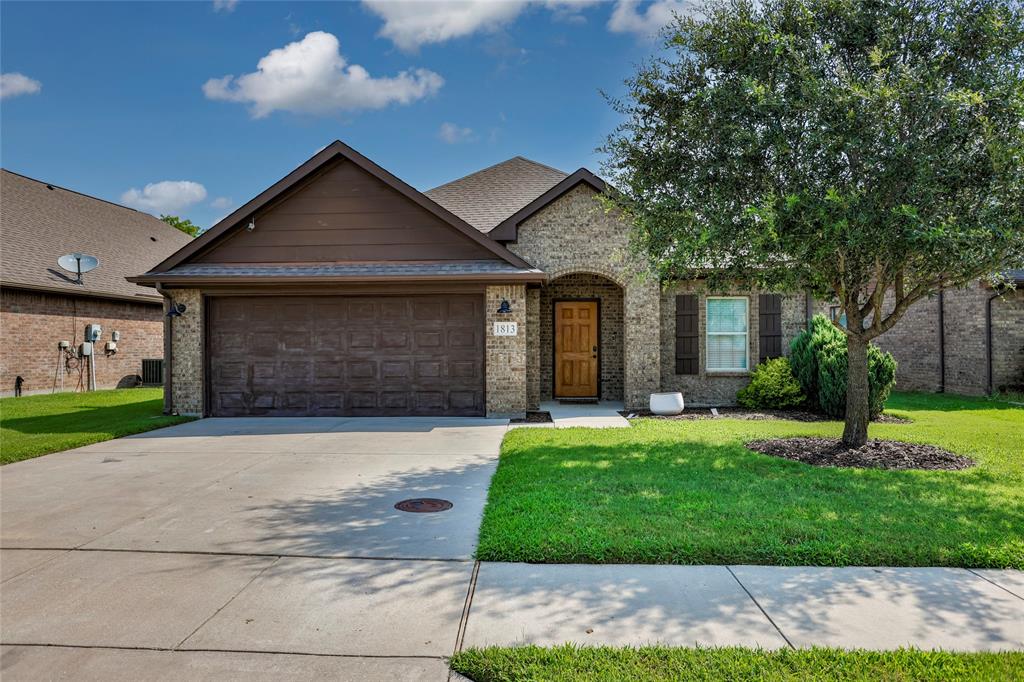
(398, 355)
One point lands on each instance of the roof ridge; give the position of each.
(492, 166)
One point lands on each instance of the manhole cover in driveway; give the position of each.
(423, 505)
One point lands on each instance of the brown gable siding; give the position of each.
(345, 214)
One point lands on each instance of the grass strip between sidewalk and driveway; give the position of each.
(40, 424)
(569, 663)
(690, 492)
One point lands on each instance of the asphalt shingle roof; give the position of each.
(40, 223)
(485, 198)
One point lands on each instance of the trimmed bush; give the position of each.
(772, 386)
(818, 360)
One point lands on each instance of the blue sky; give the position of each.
(107, 98)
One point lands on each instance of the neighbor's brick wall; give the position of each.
(34, 322)
(610, 296)
(575, 234)
(914, 342)
(712, 389)
(187, 349)
(506, 355)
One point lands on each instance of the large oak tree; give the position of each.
(871, 151)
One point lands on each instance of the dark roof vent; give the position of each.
(49, 187)
(152, 239)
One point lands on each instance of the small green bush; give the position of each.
(818, 360)
(772, 386)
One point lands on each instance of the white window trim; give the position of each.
(707, 333)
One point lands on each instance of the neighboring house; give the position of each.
(42, 305)
(341, 290)
(968, 341)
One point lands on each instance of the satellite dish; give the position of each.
(78, 263)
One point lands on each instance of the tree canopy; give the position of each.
(183, 224)
(871, 151)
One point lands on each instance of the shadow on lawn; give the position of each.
(88, 419)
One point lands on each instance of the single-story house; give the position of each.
(342, 290)
(42, 305)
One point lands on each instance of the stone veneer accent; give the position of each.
(610, 295)
(506, 355)
(711, 389)
(187, 351)
(575, 234)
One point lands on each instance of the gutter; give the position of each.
(168, 350)
(942, 341)
(205, 280)
(988, 341)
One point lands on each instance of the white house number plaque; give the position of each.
(506, 329)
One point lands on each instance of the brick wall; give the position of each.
(712, 389)
(187, 349)
(914, 342)
(506, 355)
(576, 235)
(34, 322)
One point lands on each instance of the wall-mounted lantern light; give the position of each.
(177, 310)
(505, 307)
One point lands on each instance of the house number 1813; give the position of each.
(506, 328)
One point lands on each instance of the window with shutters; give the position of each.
(769, 309)
(727, 329)
(687, 336)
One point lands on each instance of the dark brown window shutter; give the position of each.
(770, 327)
(687, 339)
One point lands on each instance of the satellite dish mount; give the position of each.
(78, 263)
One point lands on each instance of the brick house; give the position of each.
(341, 290)
(42, 305)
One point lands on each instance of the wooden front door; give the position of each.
(576, 349)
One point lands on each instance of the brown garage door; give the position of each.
(352, 355)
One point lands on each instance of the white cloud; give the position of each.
(627, 16)
(168, 196)
(221, 203)
(453, 134)
(224, 5)
(311, 76)
(14, 84)
(410, 24)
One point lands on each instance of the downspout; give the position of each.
(168, 350)
(942, 341)
(988, 341)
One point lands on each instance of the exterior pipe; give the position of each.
(988, 341)
(168, 351)
(942, 341)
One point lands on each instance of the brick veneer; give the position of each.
(187, 350)
(576, 235)
(709, 389)
(34, 322)
(506, 355)
(914, 342)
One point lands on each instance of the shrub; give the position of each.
(772, 386)
(818, 358)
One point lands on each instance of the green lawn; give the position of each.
(689, 492)
(39, 424)
(592, 664)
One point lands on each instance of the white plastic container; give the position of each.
(667, 404)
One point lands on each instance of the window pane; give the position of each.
(727, 315)
(727, 351)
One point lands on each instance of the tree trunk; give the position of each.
(855, 433)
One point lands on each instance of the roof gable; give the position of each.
(339, 206)
(42, 222)
(508, 229)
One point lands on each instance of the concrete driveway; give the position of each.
(169, 553)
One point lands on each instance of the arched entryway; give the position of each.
(581, 312)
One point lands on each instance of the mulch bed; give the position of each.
(534, 418)
(876, 454)
(753, 415)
